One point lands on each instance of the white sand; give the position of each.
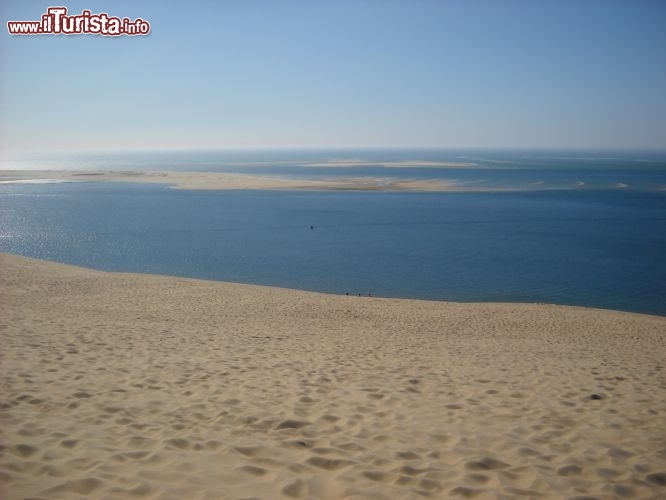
(130, 386)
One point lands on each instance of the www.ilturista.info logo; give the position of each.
(56, 22)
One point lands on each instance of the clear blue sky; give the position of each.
(246, 73)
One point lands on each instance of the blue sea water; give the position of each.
(598, 246)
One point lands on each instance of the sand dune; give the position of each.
(128, 386)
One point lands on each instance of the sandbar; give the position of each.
(232, 181)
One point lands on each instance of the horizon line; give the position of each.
(325, 147)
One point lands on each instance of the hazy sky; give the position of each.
(245, 73)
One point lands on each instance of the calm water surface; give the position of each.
(602, 248)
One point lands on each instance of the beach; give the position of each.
(121, 385)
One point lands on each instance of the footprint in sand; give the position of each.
(658, 478)
(486, 463)
(292, 424)
(295, 489)
(328, 463)
(253, 470)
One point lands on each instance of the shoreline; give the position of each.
(324, 294)
(119, 385)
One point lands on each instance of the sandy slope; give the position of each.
(127, 386)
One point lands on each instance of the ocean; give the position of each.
(578, 229)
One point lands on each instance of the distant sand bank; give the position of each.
(121, 386)
(229, 181)
(224, 181)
